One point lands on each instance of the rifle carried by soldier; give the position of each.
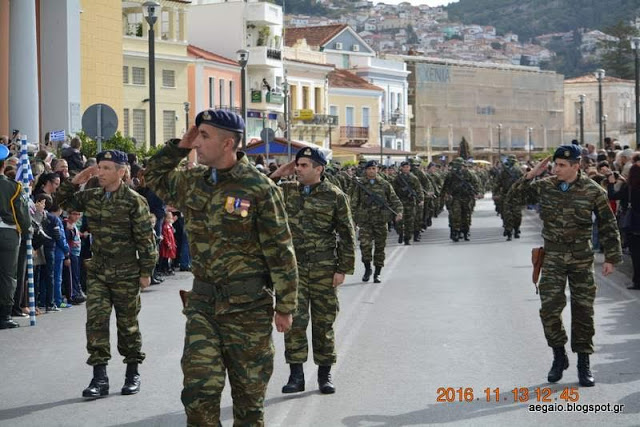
(407, 187)
(374, 198)
(465, 184)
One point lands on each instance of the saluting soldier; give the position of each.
(409, 191)
(374, 203)
(124, 255)
(242, 253)
(324, 242)
(567, 201)
(14, 221)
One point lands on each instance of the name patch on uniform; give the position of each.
(237, 206)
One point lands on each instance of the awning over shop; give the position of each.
(277, 147)
(389, 155)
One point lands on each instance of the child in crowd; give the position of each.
(61, 258)
(167, 245)
(75, 245)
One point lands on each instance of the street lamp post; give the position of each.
(600, 76)
(499, 141)
(287, 107)
(186, 115)
(530, 141)
(604, 125)
(243, 59)
(381, 140)
(149, 10)
(635, 44)
(582, 97)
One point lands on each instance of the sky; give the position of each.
(418, 2)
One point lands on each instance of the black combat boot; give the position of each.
(455, 235)
(416, 236)
(324, 380)
(99, 385)
(376, 275)
(451, 233)
(400, 238)
(560, 363)
(516, 233)
(585, 377)
(6, 322)
(508, 234)
(131, 380)
(296, 379)
(465, 235)
(407, 241)
(367, 272)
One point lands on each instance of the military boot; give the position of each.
(400, 238)
(407, 241)
(296, 379)
(585, 377)
(508, 234)
(99, 385)
(560, 363)
(455, 235)
(451, 233)
(367, 272)
(6, 322)
(131, 380)
(516, 233)
(416, 236)
(324, 380)
(465, 235)
(376, 275)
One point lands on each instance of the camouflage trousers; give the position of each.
(318, 301)
(405, 227)
(103, 293)
(373, 233)
(577, 267)
(511, 214)
(419, 215)
(238, 344)
(460, 210)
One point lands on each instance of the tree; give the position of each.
(618, 60)
(464, 150)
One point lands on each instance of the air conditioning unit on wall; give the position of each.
(338, 46)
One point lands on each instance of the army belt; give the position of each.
(316, 256)
(566, 247)
(247, 287)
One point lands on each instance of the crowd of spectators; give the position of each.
(61, 240)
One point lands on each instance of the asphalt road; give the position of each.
(459, 317)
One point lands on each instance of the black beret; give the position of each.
(568, 152)
(405, 163)
(370, 164)
(116, 156)
(313, 154)
(221, 119)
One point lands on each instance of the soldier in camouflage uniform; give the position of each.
(124, 255)
(373, 202)
(324, 241)
(423, 214)
(510, 211)
(409, 190)
(460, 188)
(242, 253)
(567, 202)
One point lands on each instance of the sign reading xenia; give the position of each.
(434, 73)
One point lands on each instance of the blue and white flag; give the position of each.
(24, 173)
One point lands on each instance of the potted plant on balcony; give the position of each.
(263, 35)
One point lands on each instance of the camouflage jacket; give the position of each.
(237, 227)
(368, 209)
(425, 181)
(408, 188)
(120, 227)
(508, 176)
(321, 225)
(460, 184)
(567, 216)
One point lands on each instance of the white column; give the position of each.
(450, 136)
(299, 95)
(23, 72)
(200, 89)
(182, 23)
(312, 98)
(172, 25)
(509, 138)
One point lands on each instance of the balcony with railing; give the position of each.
(265, 13)
(354, 136)
(263, 56)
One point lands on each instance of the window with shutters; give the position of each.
(168, 124)
(232, 93)
(125, 74)
(139, 126)
(222, 97)
(168, 78)
(125, 124)
(137, 75)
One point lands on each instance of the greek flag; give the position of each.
(24, 173)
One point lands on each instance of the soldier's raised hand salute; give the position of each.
(189, 137)
(84, 176)
(538, 169)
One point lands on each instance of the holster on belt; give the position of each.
(183, 297)
(537, 258)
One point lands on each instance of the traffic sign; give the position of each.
(99, 122)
